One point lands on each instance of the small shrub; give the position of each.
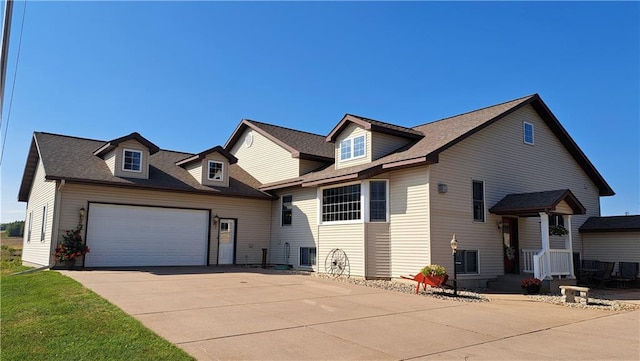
(531, 281)
(71, 246)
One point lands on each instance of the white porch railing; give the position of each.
(527, 259)
(534, 262)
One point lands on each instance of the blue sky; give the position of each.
(184, 74)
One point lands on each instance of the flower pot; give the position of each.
(69, 264)
(533, 289)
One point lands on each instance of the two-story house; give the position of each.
(388, 197)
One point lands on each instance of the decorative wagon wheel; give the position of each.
(337, 264)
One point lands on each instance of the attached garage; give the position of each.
(125, 235)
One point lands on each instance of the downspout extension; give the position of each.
(56, 219)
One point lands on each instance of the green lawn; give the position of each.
(47, 316)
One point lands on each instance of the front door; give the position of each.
(510, 247)
(227, 241)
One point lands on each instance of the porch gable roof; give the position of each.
(531, 204)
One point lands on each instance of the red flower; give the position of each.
(530, 282)
(71, 246)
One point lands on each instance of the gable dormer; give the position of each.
(272, 153)
(128, 156)
(211, 167)
(360, 140)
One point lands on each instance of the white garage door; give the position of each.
(146, 236)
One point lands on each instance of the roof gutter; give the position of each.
(56, 219)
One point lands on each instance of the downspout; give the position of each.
(569, 246)
(56, 219)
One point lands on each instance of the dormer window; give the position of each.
(352, 148)
(132, 160)
(216, 171)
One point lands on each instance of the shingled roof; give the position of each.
(113, 144)
(442, 134)
(300, 144)
(531, 204)
(73, 160)
(611, 224)
(373, 125)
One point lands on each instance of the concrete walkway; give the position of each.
(244, 314)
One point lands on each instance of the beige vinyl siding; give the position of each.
(110, 159)
(253, 226)
(611, 247)
(307, 166)
(563, 208)
(409, 216)
(265, 160)
(383, 144)
(498, 156)
(303, 231)
(144, 167)
(225, 170)
(347, 237)
(352, 131)
(37, 250)
(378, 250)
(195, 169)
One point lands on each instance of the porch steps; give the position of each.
(510, 283)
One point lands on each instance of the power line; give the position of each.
(4, 55)
(13, 85)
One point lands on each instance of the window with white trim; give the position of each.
(307, 256)
(216, 171)
(556, 220)
(341, 203)
(43, 229)
(132, 160)
(378, 201)
(352, 148)
(367, 201)
(478, 201)
(29, 227)
(527, 133)
(466, 261)
(287, 210)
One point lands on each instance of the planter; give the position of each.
(533, 289)
(435, 281)
(69, 264)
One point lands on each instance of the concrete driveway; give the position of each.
(245, 314)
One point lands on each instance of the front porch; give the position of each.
(560, 263)
(557, 207)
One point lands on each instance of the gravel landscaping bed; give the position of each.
(410, 288)
(596, 301)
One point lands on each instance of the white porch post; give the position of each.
(544, 230)
(568, 244)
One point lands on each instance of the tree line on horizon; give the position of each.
(13, 229)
